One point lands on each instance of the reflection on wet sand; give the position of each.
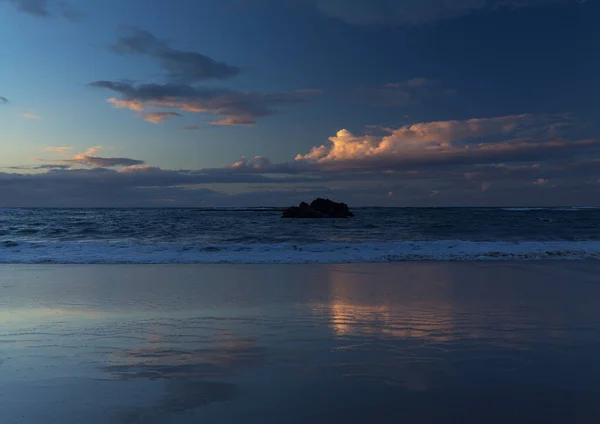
(190, 371)
(323, 344)
(407, 330)
(45, 314)
(385, 311)
(227, 353)
(180, 396)
(434, 305)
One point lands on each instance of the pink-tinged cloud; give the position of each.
(89, 158)
(439, 140)
(230, 107)
(58, 149)
(126, 104)
(30, 116)
(257, 162)
(158, 117)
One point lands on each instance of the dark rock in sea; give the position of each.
(319, 208)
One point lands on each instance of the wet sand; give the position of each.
(433, 342)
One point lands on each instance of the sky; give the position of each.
(184, 103)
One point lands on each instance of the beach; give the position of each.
(412, 342)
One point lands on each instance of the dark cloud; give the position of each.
(52, 166)
(496, 185)
(46, 9)
(3, 100)
(132, 186)
(232, 107)
(101, 162)
(415, 12)
(181, 66)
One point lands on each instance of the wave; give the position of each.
(525, 209)
(561, 209)
(288, 253)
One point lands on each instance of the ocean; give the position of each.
(258, 235)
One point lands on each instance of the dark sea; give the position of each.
(258, 235)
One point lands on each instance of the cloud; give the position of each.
(125, 104)
(258, 162)
(30, 116)
(158, 117)
(507, 160)
(181, 66)
(45, 8)
(479, 140)
(232, 107)
(88, 158)
(401, 93)
(415, 12)
(52, 166)
(3, 100)
(59, 149)
(101, 162)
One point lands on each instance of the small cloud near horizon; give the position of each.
(31, 116)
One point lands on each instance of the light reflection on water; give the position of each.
(300, 344)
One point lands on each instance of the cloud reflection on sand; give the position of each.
(226, 354)
(190, 372)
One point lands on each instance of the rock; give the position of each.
(307, 212)
(328, 207)
(319, 208)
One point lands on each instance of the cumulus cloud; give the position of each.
(232, 107)
(158, 117)
(181, 66)
(401, 93)
(468, 141)
(415, 12)
(46, 9)
(3, 100)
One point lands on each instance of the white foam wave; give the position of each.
(447, 250)
(561, 209)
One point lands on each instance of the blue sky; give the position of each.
(414, 102)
